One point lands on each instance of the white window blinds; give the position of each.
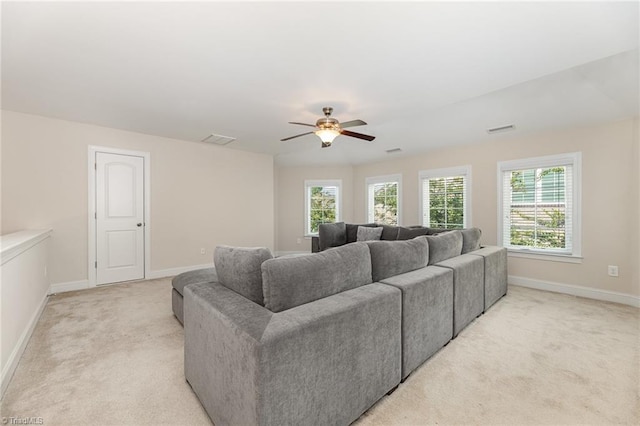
(322, 204)
(444, 198)
(383, 200)
(539, 208)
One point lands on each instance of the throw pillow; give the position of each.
(369, 234)
(352, 231)
(444, 246)
(410, 233)
(292, 281)
(239, 269)
(332, 235)
(470, 239)
(389, 258)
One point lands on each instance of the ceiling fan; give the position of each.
(328, 128)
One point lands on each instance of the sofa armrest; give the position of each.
(328, 360)
(315, 244)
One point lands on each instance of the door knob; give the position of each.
(139, 224)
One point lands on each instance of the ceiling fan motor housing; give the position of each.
(328, 123)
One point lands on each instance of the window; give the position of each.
(540, 205)
(445, 198)
(322, 204)
(383, 199)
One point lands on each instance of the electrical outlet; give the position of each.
(203, 251)
(612, 270)
(299, 240)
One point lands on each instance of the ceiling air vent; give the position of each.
(500, 129)
(391, 151)
(218, 139)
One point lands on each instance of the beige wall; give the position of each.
(609, 199)
(201, 195)
(290, 202)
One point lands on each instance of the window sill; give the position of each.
(552, 257)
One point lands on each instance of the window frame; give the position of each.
(394, 178)
(308, 184)
(447, 172)
(573, 159)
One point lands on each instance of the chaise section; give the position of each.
(495, 273)
(179, 282)
(427, 313)
(468, 288)
(323, 362)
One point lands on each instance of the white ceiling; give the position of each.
(422, 74)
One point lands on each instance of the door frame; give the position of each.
(91, 211)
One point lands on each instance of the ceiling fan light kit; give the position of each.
(328, 128)
(327, 136)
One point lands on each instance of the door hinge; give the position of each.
(95, 166)
(95, 215)
(96, 264)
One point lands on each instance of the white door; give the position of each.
(119, 218)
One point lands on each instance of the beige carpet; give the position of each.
(114, 355)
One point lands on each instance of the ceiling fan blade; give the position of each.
(302, 124)
(352, 123)
(296, 136)
(357, 135)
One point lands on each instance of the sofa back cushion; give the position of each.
(389, 232)
(290, 282)
(389, 258)
(409, 233)
(332, 235)
(470, 239)
(239, 269)
(444, 246)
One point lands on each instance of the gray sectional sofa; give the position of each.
(318, 339)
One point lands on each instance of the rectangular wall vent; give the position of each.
(218, 139)
(500, 129)
(391, 151)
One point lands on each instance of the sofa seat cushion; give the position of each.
(495, 273)
(239, 269)
(332, 235)
(207, 275)
(389, 258)
(468, 288)
(427, 313)
(444, 246)
(290, 282)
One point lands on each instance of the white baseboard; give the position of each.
(18, 350)
(574, 290)
(68, 286)
(161, 273)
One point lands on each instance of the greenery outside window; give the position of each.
(540, 205)
(383, 199)
(322, 204)
(445, 198)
